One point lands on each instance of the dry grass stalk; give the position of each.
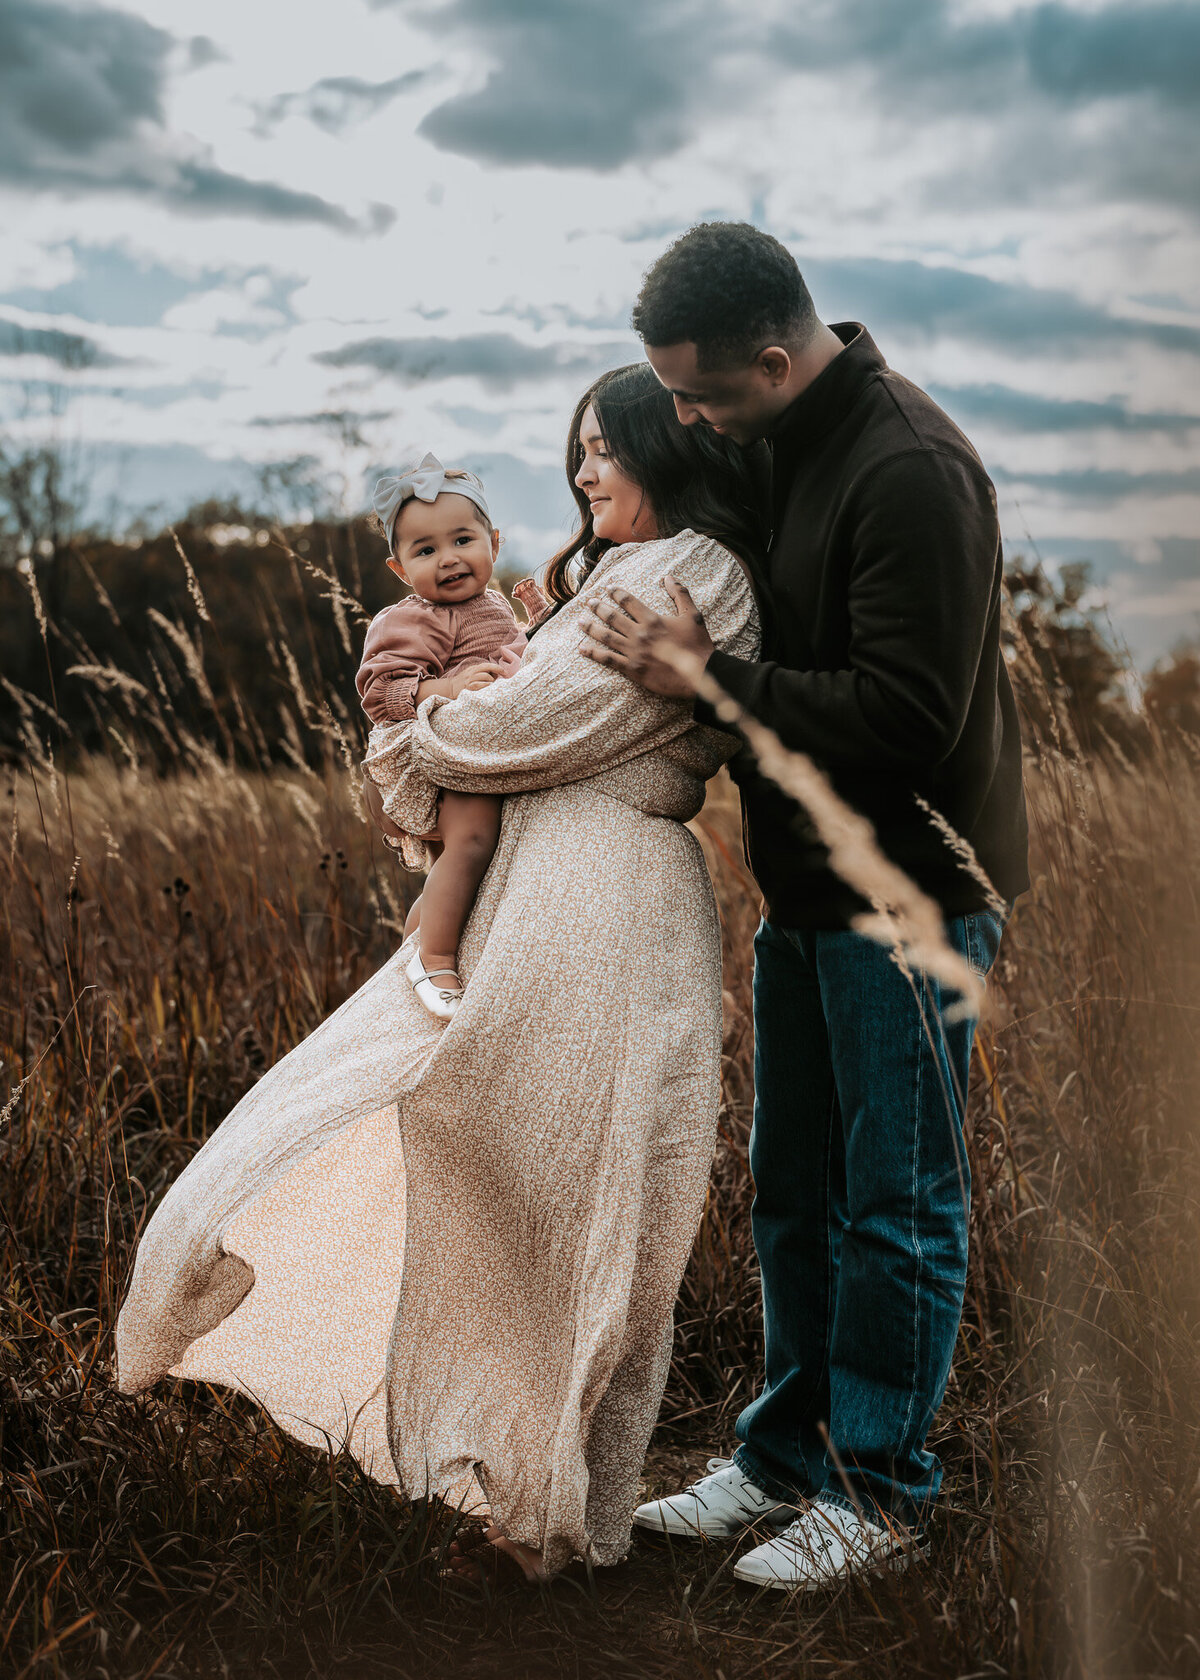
(904, 920)
(193, 582)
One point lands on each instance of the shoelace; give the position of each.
(857, 1540)
(714, 1464)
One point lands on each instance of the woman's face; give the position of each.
(620, 510)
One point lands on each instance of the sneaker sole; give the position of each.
(653, 1525)
(893, 1566)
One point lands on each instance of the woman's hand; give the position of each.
(631, 637)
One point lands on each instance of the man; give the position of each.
(881, 661)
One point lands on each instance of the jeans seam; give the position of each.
(916, 1317)
(823, 1369)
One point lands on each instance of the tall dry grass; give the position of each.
(166, 937)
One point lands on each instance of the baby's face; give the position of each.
(443, 549)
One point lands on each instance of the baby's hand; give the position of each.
(476, 676)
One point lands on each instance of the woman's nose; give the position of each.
(585, 475)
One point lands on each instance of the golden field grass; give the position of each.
(165, 937)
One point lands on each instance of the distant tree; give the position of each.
(295, 490)
(43, 489)
(1072, 684)
(1172, 689)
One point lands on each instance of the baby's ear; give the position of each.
(393, 565)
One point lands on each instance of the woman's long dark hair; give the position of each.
(692, 478)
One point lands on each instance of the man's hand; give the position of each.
(623, 632)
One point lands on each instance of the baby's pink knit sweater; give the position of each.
(418, 639)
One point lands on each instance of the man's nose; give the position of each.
(685, 413)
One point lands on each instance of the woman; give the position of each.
(480, 1297)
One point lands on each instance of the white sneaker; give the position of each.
(825, 1545)
(722, 1503)
(439, 1000)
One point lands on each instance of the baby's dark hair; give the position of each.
(376, 524)
(730, 289)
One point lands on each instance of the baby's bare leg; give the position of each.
(413, 920)
(469, 824)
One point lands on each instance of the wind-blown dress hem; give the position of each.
(457, 1250)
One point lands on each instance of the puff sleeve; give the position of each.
(405, 644)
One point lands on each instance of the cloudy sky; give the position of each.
(334, 229)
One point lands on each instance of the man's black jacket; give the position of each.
(881, 653)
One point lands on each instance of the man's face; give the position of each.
(742, 401)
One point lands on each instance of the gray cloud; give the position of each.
(115, 288)
(70, 350)
(166, 396)
(478, 420)
(202, 52)
(932, 48)
(1132, 66)
(81, 111)
(559, 314)
(337, 420)
(498, 359)
(1025, 411)
(1096, 485)
(544, 101)
(337, 102)
(923, 301)
(201, 188)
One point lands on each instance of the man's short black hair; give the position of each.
(730, 289)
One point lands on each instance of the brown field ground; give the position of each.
(164, 938)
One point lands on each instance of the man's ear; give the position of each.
(775, 363)
(393, 565)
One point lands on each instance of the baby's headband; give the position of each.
(425, 479)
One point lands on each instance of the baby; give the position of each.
(451, 634)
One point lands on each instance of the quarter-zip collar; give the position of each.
(823, 404)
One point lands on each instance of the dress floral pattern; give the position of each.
(457, 1249)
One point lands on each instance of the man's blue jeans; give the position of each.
(862, 1196)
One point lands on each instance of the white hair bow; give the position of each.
(425, 479)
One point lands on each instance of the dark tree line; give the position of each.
(233, 633)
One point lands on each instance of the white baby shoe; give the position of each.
(440, 1001)
(722, 1503)
(825, 1545)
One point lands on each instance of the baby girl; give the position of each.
(451, 634)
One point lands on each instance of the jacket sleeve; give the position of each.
(562, 717)
(926, 560)
(405, 644)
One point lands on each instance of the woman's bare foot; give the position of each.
(495, 1559)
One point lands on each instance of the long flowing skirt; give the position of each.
(457, 1249)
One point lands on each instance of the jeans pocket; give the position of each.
(984, 931)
